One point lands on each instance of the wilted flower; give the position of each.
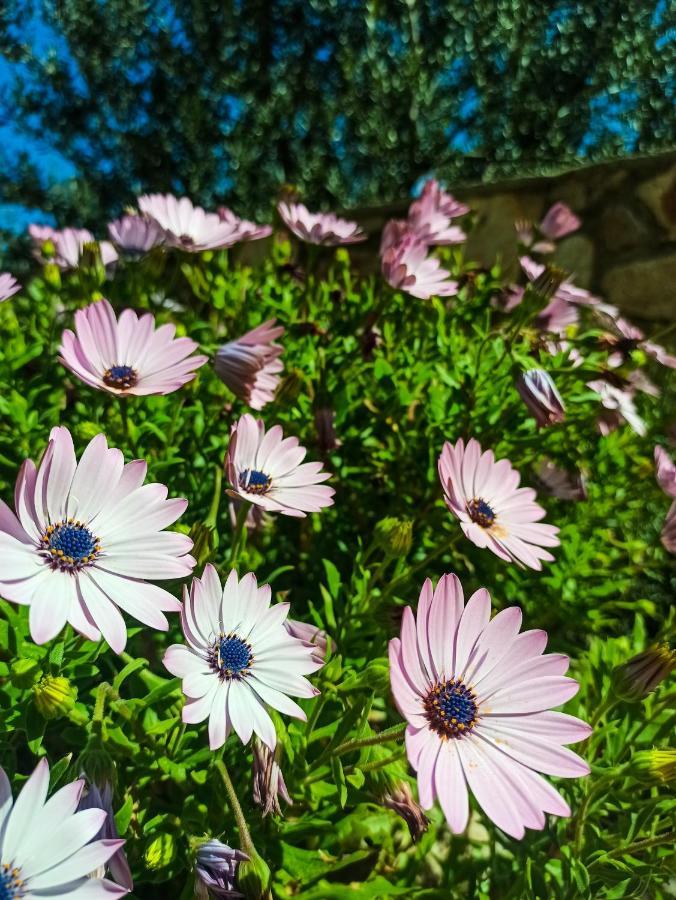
(84, 539)
(326, 432)
(325, 229)
(561, 483)
(129, 355)
(566, 291)
(250, 365)
(666, 472)
(538, 391)
(117, 865)
(248, 231)
(216, 870)
(268, 780)
(639, 676)
(135, 235)
(400, 800)
(654, 766)
(8, 286)
(189, 227)
(54, 696)
(429, 217)
(267, 469)
(618, 406)
(668, 536)
(494, 512)
(477, 697)
(407, 267)
(239, 659)
(47, 848)
(312, 636)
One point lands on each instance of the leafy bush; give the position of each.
(374, 382)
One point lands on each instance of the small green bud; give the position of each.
(24, 673)
(52, 275)
(253, 877)
(96, 763)
(160, 852)
(639, 676)
(654, 766)
(394, 535)
(54, 696)
(90, 259)
(205, 540)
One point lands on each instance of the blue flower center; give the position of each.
(480, 512)
(69, 546)
(451, 709)
(11, 885)
(120, 377)
(231, 656)
(255, 482)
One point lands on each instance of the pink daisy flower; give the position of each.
(477, 697)
(135, 235)
(240, 658)
(558, 221)
(8, 286)
(407, 267)
(68, 245)
(250, 366)
(669, 530)
(248, 231)
(129, 356)
(48, 848)
(567, 291)
(325, 229)
(267, 469)
(189, 227)
(624, 338)
(665, 472)
(618, 407)
(430, 216)
(494, 512)
(84, 539)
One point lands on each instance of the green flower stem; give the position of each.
(239, 534)
(395, 733)
(669, 837)
(211, 518)
(244, 834)
(124, 415)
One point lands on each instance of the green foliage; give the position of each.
(351, 102)
(441, 370)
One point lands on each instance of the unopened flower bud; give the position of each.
(216, 870)
(268, 780)
(394, 535)
(639, 676)
(539, 393)
(400, 800)
(204, 539)
(97, 764)
(290, 386)
(326, 432)
(160, 852)
(253, 878)
(654, 766)
(54, 696)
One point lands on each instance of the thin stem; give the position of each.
(124, 415)
(210, 520)
(668, 837)
(239, 533)
(244, 834)
(390, 734)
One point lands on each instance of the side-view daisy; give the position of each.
(135, 235)
(430, 216)
(8, 286)
(319, 228)
(248, 231)
(407, 267)
(239, 659)
(47, 847)
(190, 227)
(129, 355)
(85, 537)
(477, 696)
(267, 469)
(68, 245)
(494, 512)
(250, 365)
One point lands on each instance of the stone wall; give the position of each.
(626, 248)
